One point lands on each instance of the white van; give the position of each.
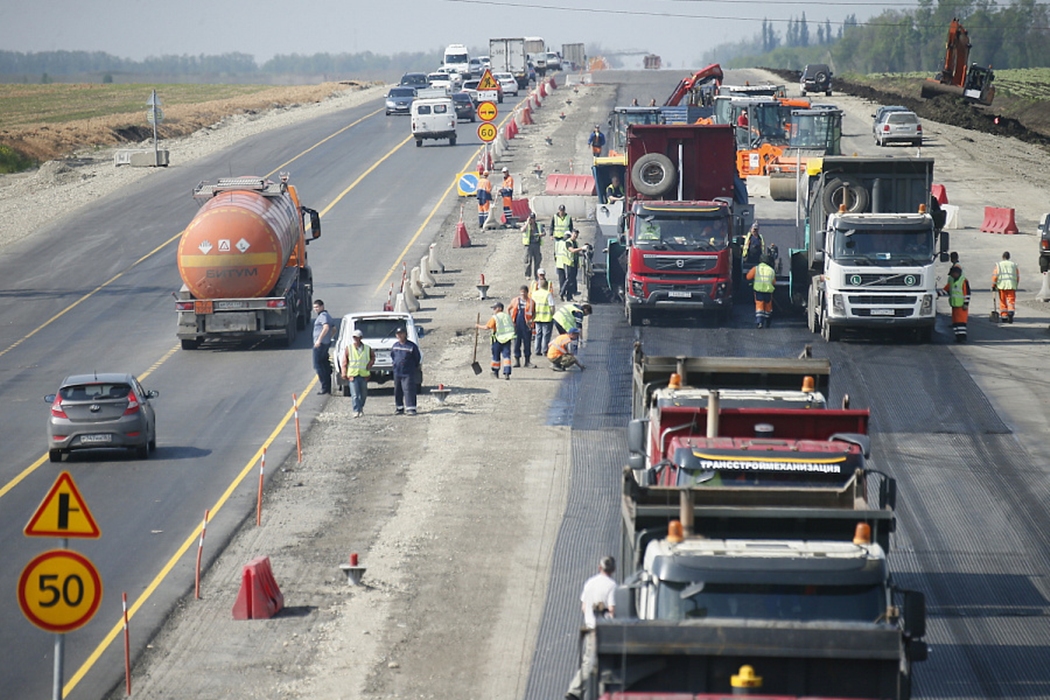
(434, 118)
(457, 59)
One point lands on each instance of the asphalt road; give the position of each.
(94, 293)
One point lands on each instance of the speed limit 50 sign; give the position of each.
(59, 590)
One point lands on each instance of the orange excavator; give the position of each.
(691, 86)
(971, 82)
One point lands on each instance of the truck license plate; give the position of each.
(680, 295)
(93, 439)
(882, 312)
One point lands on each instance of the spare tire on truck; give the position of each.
(653, 174)
(845, 190)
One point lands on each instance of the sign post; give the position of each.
(488, 88)
(60, 590)
(153, 116)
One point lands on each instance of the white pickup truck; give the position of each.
(377, 329)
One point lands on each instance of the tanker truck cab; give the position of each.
(433, 117)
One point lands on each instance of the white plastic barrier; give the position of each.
(577, 206)
(952, 220)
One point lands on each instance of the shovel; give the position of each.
(474, 365)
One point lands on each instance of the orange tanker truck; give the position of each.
(243, 263)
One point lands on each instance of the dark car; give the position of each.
(92, 411)
(816, 78)
(466, 110)
(416, 80)
(399, 100)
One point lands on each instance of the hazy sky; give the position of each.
(678, 30)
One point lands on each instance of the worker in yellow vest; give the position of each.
(357, 360)
(1005, 279)
(543, 316)
(958, 292)
(502, 327)
(532, 239)
(569, 316)
(764, 281)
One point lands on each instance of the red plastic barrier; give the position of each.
(461, 239)
(554, 85)
(543, 89)
(519, 211)
(564, 184)
(526, 116)
(939, 193)
(260, 597)
(998, 220)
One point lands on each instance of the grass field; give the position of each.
(22, 105)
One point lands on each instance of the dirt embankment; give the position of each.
(44, 142)
(1007, 117)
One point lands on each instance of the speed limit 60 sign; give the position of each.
(59, 590)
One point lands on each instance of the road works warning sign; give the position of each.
(63, 513)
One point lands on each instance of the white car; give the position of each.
(440, 79)
(378, 331)
(507, 82)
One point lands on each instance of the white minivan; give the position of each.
(434, 118)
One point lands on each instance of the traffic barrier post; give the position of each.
(258, 501)
(200, 551)
(298, 434)
(127, 643)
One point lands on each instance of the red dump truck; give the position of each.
(685, 217)
(243, 263)
(760, 557)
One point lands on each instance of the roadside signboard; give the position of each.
(487, 82)
(487, 111)
(467, 184)
(487, 132)
(59, 590)
(63, 513)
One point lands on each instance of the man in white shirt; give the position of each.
(596, 599)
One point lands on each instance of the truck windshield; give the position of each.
(668, 231)
(883, 247)
(803, 603)
(822, 132)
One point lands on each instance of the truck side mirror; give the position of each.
(636, 431)
(914, 614)
(636, 462)
(818, 260)
(945, 242)
(315, 224)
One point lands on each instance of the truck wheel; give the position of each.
(452, 141)
(634, 316)
(653, 174)
(846, 190)
(190, 343)
(419, 142)
(829, 332)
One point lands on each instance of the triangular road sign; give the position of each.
(63, 513)
(487, 82)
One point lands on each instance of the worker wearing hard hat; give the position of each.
(596, 141)
(958, 293)
(484, 196)
(506, 191)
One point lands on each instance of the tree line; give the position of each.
(899, 41)
(98, 66)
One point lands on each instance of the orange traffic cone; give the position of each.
(461, 239)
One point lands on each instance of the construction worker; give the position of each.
(742, 120)
(561, 224)
(405, 359)
(763, 280)
(596, 141)
(502, 328)
(596, 599)
(1005, 279)
(572, 266)
(532, 239)
(614, 192)
(543, 315)
(541, 276)
(523, 314)
(754, 245)
(358, 359)
(569, 316)
(958, 292)
(506, 191)
(484, 195)
(563, 349)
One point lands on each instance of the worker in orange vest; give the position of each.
(562, 351)
(484, 195)
(507, 192)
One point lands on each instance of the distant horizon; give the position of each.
(679, 31)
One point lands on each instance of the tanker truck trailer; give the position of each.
(243, 263)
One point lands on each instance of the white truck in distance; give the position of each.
(536, 51)
(457, 59)
(508, 56)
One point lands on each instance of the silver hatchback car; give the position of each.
(92, 411)
(899, 127)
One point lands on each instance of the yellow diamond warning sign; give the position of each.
(487, 82)
(63, 513)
